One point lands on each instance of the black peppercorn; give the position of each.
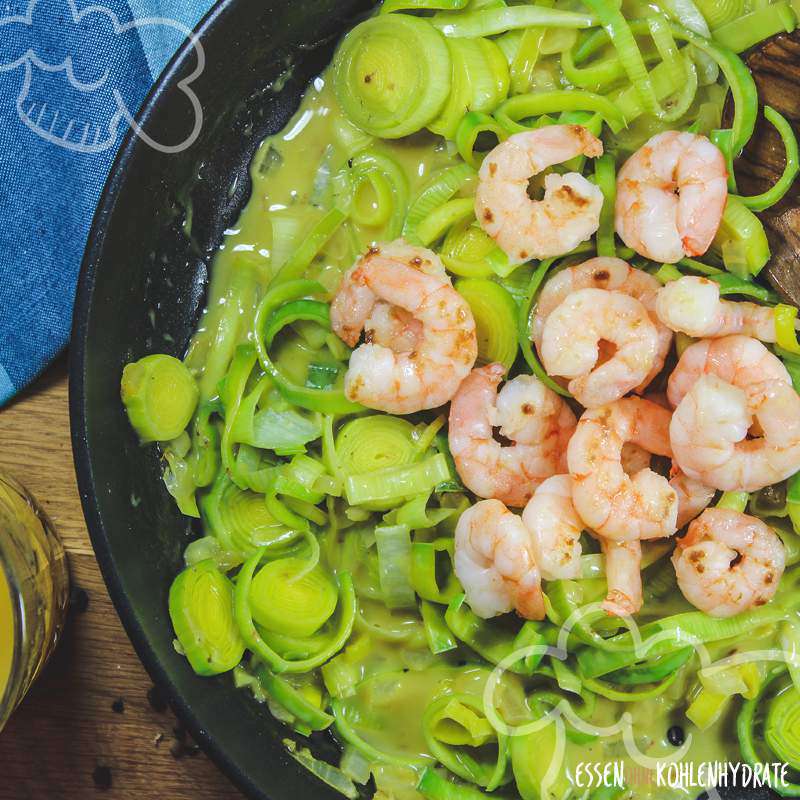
(78, 600)
(102, 778)
(676, 736)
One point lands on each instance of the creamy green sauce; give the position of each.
(291, 182)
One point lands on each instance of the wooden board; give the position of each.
(88, 721)
(775, 65)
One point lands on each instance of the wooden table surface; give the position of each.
(91, 726)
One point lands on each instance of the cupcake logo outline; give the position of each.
(63, 50)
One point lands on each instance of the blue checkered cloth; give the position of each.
(72, 74)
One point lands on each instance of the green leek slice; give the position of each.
(437, 634)
(240, 519)
(375, 442)
(287, 598)
(491, 21)
(782, 726)
(472, 125)
(743, 33)
(441, 188)
(458, 734)
(495, 315)
(305, 712)
(479, 82)
(325, 645)
(531, 758)
(776, 192)
(433, 786)
(432, 573)
(201, 610)
(741, 240)
(758, 735)
(393, 543)
(160, 396)
(466, 250)
(388, 200)
(391, 75)
(718, 12)
(396, 483)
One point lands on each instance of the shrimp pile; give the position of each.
(631, 468)
(671, 194)
(534, 418)
(421, 353)
(568, 214)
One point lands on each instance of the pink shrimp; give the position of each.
(432, 317)
(495, 562)
(613, 275)
(728, 562)
(612, 503)
(568, 214)
(720, 388)
(693, 306)
(671, 194)
(534, 418)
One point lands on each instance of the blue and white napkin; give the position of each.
(72, 76)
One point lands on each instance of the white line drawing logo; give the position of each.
(89, 135)
(563, 713)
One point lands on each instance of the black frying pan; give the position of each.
(142, 288)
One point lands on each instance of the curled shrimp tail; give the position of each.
(623, 573)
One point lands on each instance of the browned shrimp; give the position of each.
(423, 343)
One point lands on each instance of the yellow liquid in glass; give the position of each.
(6, 632)
(33, 593)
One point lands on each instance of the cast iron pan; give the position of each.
(142, 288)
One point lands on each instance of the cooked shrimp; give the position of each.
(721, 387)
(613, 504)
(574, 332)
(624, 576)
(612, 274)
(495, 562)
(555, 528)
(568, 214)
(693, 496)
(728, 562)
(393, 327)
(671, 194)
(431, 317)
(533, 417)
(634, 458)
(692, 305)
